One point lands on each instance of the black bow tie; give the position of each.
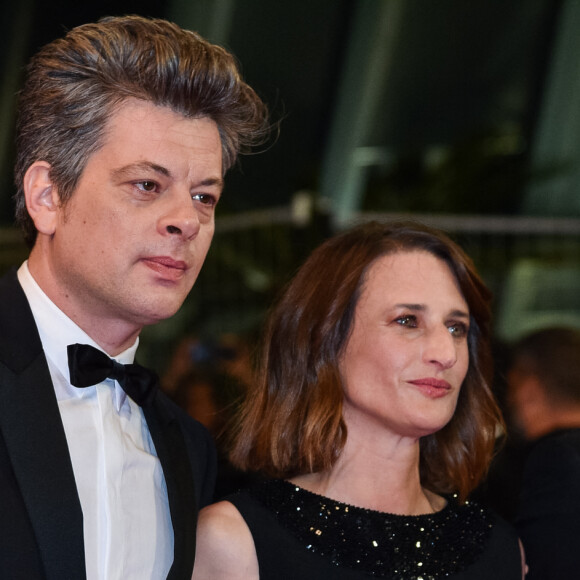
(89, 366)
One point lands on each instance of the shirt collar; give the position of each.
(56, 329)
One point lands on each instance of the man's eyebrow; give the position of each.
(126, 170)
(211, 181)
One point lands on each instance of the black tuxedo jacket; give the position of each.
(41, 522)
(548, 519)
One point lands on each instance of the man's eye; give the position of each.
(146, 185)
(407, 320)
(205, 199)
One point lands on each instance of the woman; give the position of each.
(373, 412)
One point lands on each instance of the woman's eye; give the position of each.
(407, 320)
(458, 330)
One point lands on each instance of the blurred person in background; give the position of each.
(207, 378)
(544, 395)
(373, 418)
(208, 395)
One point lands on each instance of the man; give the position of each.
(125, 130)
(544, 392)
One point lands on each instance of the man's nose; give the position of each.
(180, 218)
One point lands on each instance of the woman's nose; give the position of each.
(441, 348)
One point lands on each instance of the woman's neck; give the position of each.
(376, 478)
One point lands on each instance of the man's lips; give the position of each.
(166, 266)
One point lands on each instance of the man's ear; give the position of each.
(42, 199)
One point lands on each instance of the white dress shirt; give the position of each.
(126, 521)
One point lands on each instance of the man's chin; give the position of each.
(158, 313)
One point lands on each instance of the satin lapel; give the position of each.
(35, 439)
(172, 452)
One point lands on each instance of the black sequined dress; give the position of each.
(303, 536)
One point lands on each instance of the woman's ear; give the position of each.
(42, 199)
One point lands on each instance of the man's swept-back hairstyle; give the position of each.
(74, 84)
(291, 422)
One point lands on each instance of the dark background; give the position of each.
(464, 107)
(460, 72)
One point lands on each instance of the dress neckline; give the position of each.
(398, 547)
(320, 497)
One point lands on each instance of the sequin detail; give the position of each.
(424, 547)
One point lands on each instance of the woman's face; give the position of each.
(407, 354)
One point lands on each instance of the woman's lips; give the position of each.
(166, 267)
(432, 387)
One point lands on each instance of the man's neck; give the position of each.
(556, 420)
(112, 335)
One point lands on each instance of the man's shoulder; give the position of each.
(9, 282)
(199, 446)
(561, 441)
(12, 297)
(19, 340)
(555, 456)
(191, 426)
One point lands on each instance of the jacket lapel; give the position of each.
(170, 445)
(35, 438)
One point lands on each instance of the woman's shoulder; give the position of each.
(503, 555)
(222, 518)
(225, 548)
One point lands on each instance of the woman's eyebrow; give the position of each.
(416, 307)
(421, 308)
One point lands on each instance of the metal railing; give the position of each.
(255, 253)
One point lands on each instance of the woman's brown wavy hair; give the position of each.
(291, 422)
